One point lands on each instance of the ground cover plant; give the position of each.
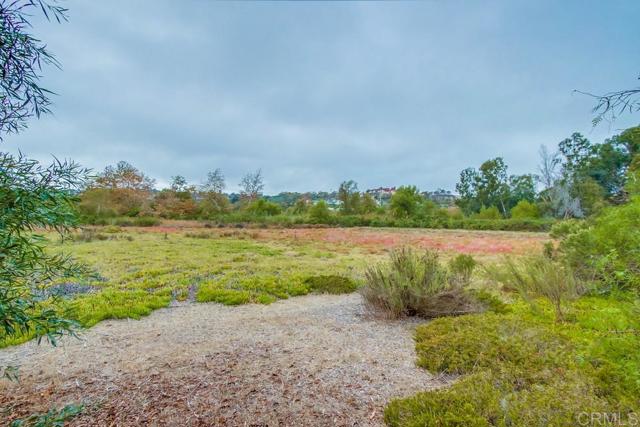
(138, 272)
(523, 368)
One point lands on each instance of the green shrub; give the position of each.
(461, 268)
(236, 289)
(488, 213)
(523, 369)
(525, 210)
(88, 235)
(121, 222)
(331, 284)
(606, 249)
(562, 229)
(262, 207)
(319, 213)
(538, 276)
(199, 235)
(415, 285)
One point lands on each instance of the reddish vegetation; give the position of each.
(379, 239)
(471, 242)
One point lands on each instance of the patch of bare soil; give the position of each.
(313, 361)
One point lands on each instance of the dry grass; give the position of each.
(313, 360)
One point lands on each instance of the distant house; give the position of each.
(441, 197)
(381, 194)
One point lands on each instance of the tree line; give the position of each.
(577, 180)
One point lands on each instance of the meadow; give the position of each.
(139, 269)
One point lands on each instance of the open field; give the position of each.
(143, 269)
(315, 360)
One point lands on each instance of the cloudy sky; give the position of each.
(315, 93)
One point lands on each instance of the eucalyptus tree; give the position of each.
(32, 197)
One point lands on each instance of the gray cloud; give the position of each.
(315, 93)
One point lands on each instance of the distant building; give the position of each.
(381, 194)
(441, 197)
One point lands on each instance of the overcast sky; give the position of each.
(315, 93)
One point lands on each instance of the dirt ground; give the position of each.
(308, 361)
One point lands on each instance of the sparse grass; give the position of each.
(538, 276)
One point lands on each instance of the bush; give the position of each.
(331, 284)
(606, 249)
(415, 285)
(405, 201)
(525, 210)
(488, 213)
(320, 213)
(562, 229)
(539, 276)
(461, 268)
(262, 207)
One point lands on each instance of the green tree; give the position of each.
(632, 185)
(319, 213)
(467, 190)
(349, 197)
(212, 199)
(215, 182)
(405, 201)
(521, 187)
(493, 185)
(577, 152)
(487, 186)
(525, 210)
(22, 57)
(32, 197)
(368, 204)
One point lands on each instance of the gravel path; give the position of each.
(312, 360)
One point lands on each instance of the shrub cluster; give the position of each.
(413, 284)
(605, 250)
